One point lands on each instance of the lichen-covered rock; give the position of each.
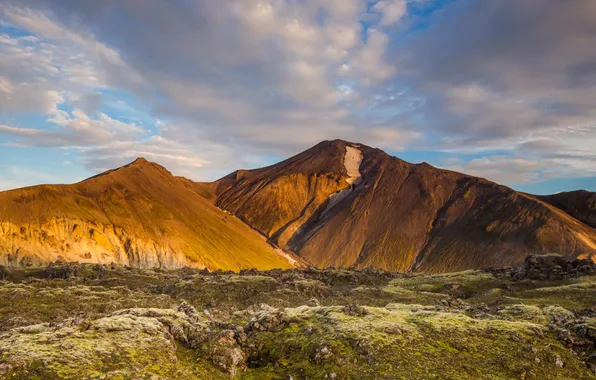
(354, 310)
(226, 354)
(322, 354)
(266, 319)
(126, 344)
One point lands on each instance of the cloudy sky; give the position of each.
(502, 89)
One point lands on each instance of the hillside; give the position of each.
(393, 214)
(580, 204)
(139, 215)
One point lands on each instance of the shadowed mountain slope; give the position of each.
(580, 204)
(395, 215)
(139, 214)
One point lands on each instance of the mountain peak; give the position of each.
(139, 164)
(141, 161)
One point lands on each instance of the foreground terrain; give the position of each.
(90, 321)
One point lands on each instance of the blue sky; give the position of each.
(503, 90)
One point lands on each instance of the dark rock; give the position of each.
(546, 267)
(61, 271)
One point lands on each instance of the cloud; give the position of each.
(391, 10)
(238, 82)
(248, 64)
(501, 169)
(75, 129)
(508, 76)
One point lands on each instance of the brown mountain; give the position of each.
(345, 204)
(139, 215)
(580, 204)
(336, 204)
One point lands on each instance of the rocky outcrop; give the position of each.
(547, 267)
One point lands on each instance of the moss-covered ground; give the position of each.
(110, 322)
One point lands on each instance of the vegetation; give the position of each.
(89, 321)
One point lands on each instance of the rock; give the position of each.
(189, 310)
(308, 330)
(546, 267)
(313, 302)
(537, 360)
(452, 287)
(60, 271)
(4, 368)
(240, 337)
(556, 267)
(2, 272)
(332, 375)
(322, 354)
(559, 362)
(227, 355)
(266, 319)
(354, 310)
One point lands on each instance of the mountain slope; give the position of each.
(139, 214)
(395, 215)
(580, 204)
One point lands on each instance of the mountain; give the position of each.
(337, 204)
(580, 204)
(344, 204)
(140, 215)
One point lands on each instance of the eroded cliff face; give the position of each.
(82, 241)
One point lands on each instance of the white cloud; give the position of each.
(501, 169)
(275, 76)
(369, 64)
(75, 130)
(391, 10)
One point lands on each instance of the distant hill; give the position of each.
(580, 204)
(139, 215)
(395, 215)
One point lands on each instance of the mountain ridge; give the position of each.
(138, 214)
(433, 204)
(338, 203)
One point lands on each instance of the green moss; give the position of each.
(411, 327)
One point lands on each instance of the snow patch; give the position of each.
(352, 161)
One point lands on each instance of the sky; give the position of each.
(504, 90)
